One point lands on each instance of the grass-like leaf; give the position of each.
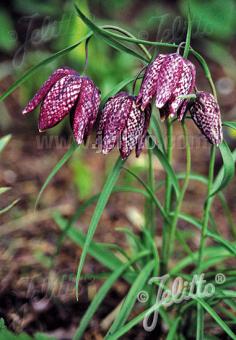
(96, 250)
(102, 293)
(46, 61)
(130, 299)
(3, 142)
(11, 205)
(166, 165)
(55, 170)
(228, 162)
(107, 37)
(217, 318)
(231, 125)
(102, 201)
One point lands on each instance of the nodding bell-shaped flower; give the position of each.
(205, 113)
(168, 77)
(123, 123)
(66, 92)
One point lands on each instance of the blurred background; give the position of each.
(30, 32)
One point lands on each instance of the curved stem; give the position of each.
(129, 35)
(188, 37)
(151, 183)
(207, 206)
(131, 38)
(181, 196)
(86, 55)
(167, 198)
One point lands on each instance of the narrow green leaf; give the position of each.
(231, 125)
(217, 318)
(166, 165)
(155, 125)
(172, 332)
(117, 88)
(102, 201)
(4, 210)
(55, 170)
(130, 299)
(33, 69)
(150, 192)
(230, 247)
(225, 177)
(3, 142)
(4, 189)
(96, 250)
(107, 37)
(102, 293)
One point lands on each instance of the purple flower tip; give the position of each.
(205, 113)
(66, 92)
(166, 78)
(123, 123)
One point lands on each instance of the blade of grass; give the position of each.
(228, 162)
(130, 299)
(102, 201)
(96, 250)
(107, 37)
(102, 293)
(46, 61)
(217, 318)
(3, 141)
(55, 170)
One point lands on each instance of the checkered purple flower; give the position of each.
(168, 77)
(205, 113)
(123, 122)
(66, 92)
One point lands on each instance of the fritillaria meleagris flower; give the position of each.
(124, 123)
(66, 92)
(205, 113)
(168, 77)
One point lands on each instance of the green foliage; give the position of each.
(140, 260)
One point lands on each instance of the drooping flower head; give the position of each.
(122, 121)
(205, 113)
(66, 92)
(166, 78)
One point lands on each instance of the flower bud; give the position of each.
(167, 78)
(205, 113)
(66, 92)
(123, 122)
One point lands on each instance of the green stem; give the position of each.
(181, 196)
(188, 36)
(207, 206)
(129, 35)
(151, 183)
(167, 198)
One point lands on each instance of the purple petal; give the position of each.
(184, 105)
(168, 79)
(86, 110)
(149, 83)
(59, 101)
(115, 121)
(185, 86)
(141, 140)
(132, 131)
(206, 114)
(38, 97)
(107, 110)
